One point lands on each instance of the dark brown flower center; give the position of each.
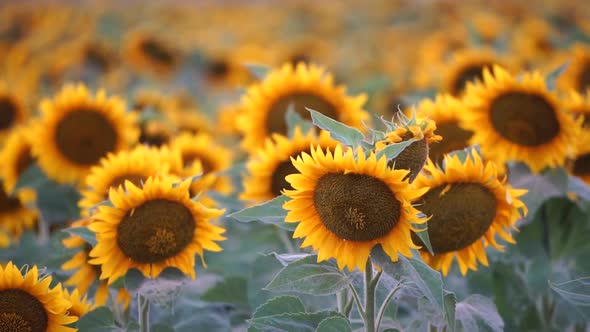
(190, 157)
(524, 119)
(356, 207)
(8, 203)
(584, 78)
(24, 160)
(582, 165)
(156, 230)
(278, 181)
(470, 73)
(97, 57)
(21, 312)
(8, 113)
(461, 215)
(157, 52)
(299, 58)
(453, 138)
(395, 105)
(153, 137)
(85, 136)
(136, 179)
(217, 69)
(412, 158)
(275, 121)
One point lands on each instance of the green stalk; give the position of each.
(370, 286)
(143, 305)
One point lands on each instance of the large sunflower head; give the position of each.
(468, 205)
(269, 166)
(13, 110)
(414, 156)
(577, 75)
(150, 53)
(135, 166)
(77, 129)
(519, 119)
(303, 86)
(152, 227)
(28, 304)
(347, 204)
(447, 112)
(16, 157)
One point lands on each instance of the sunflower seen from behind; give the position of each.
(268, 166)
(468, 205)
(77, 129)
(519, 120)
(265, 104)
(27, 303)
(152, 227)
(345, 205)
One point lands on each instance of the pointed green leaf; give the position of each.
(83, 232)
(300, 322)
(577, 293)
(101, 317)
(231, 290)
(279, 305)
(334, 324)
(339, 131)
(393, 150)
(423, 236)
(309, 277)
(552, 77)
(295, 120)
(31, 177)
(270, 212)
(478, 313)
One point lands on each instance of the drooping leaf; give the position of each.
(334, 324)
(575, 292)
(300, 322)
(58, 203)
(393, 150)
(309, 277)
(98, 320)
(295, 120)
(346, 135)
(478, 313)
(423, 235)
(287, 259)
(31, 177)
(279, 305)
(270, 212)
(83, 232)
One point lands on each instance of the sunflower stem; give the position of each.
(143, 305)
(370, 286)
(285, 238)
(357, 301)
(43, 228)
(384, 305)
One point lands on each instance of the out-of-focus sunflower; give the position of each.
(346, 205)
(77, 129)
(147, 99)
(534, 40)
(191, 121)
(578, 105)
(223, 68)
(13, 110)
(135, 166)
(269, 166)
(227, 119)
(16, 157)
(577, 74)
(468, 205)
(152, 228)
(28, 304)
(519, 120)
(413, 157)
(265, 104)
(150, 53)
(212, 156)
(446, 111)
(157, 132)
(80, 305)
(16, 211)
(579, 165)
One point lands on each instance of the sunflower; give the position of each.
(87, 273)
(135, 165)
(578, 105)
(580, 164)
(151, 228)
(145, 99)
(190, 121)
(212, 156)
(265, 104)
(16, 211)
(468, 66)
(80, 304)
(446, 111)
(151, 54)
(340, 202)
(269, 166)
(468, 205)
(28, 304)
(12, 109)
(518, 120)
(577, 75)
(414, 156)
(16, 157)
(226, 119)
(76, 130)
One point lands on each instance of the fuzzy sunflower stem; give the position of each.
(370, 286)
(388, 298)
(143, 305)
(286, 240)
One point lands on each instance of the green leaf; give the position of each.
(270, 212)
(83, 232)
(393, 150)
(295, 120)
(231, 290)
(346, 135)
(478, 313)
(279, 305)
(133, 280)
(31, 177)
(99, 319)
(424, 236)
(575, 292)
(428, 281)
(309, 277)
(552, 77)
(287, 259)
(300, 322)
(450, 305)
(58, 203)
(334, 324)
(259, 71)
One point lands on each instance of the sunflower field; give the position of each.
(298, 166)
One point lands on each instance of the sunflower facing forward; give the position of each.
(346, 205)
(77, 129)
(519, 120)
(468, 205)
(28, 304)
(152, 227)
(16, 157)
(265, 104)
